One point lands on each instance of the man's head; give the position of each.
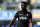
(23, 6)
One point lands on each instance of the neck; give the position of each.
(24, 10)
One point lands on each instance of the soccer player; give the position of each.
(24, 17)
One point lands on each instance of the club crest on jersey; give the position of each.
(27, 15)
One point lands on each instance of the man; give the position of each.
(24, 17)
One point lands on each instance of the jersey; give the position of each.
(23, 19)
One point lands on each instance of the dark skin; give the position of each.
(22, 6)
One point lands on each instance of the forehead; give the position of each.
(22, 3)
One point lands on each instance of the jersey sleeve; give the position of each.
(16, 15)
(30, 16)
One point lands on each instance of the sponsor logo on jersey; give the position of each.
(23, 18)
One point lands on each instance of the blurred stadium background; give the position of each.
(8, 9)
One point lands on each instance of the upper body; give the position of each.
(24, 17)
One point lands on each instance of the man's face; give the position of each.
(22, 5)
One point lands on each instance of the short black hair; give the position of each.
(25, 3)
